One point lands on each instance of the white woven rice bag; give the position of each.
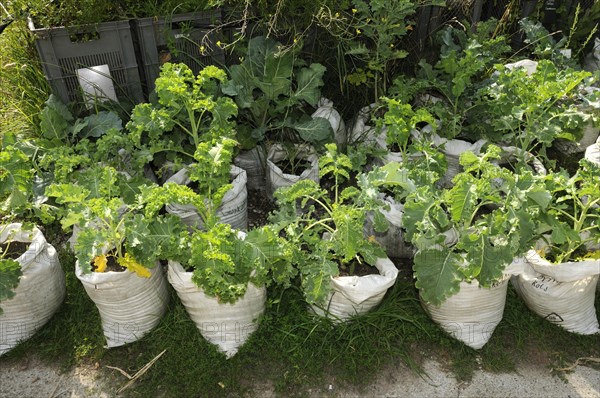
(592, 153)
(326, 111)
(529, 65)
(233, 209)
(226, 325)
(392, 240)
(41, 288)
(130, 306)
(362, 131)
(591, 63)
(276, 178)
(472, 314)
(561, 293)
(254, 162)
(355, 295)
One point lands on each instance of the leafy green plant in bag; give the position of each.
(571, 224)
(324, 227)
(531, 111)
(273, 88)
(188, 110)
(222, 262)
(474, 229)
(465, 61)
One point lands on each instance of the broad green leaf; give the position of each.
(272, 64)
(98, 124)
(459, 85)
(17, 199)
(540, 196)
(527, 230)
(40, 182)
(316, 130)
(261, 246)
(560, 233)
(88, 246)
(461, 200)
(416, 207)
(348, 234)
(468, 159)
(380, 223)
(240, 86)
(438, 274)
(16, 180)
(395, 175)
(10, 272)
(143, 246)
(264, 250)
(55, 120)
(99, 181)
(166, 234)
(67, 193)
(316, 279)
(487, 262)
(76, 129)
(146, 119)
(223, 111)
(70, 219)
(310, 81)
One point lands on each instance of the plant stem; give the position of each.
(174, 150)
(323, 223)
(323, 205)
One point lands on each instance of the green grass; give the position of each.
(23, 87)
(293, 350)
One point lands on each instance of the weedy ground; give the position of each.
(294, 351)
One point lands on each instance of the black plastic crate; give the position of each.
(189, 38)
(64, 50)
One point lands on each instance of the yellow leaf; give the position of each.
(592, 255)
(133, 266)
(100, 263)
